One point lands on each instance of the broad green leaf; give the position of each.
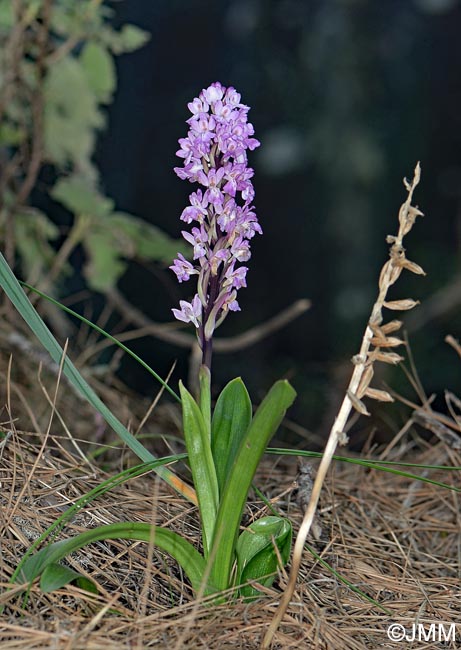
(57, 575)
(99, 68)
(257, 558)
(21, 302)
(181, 550)
(231, 419)
(197, 438)
(78, 195)
(263, 426)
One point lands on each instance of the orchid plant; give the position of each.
(225, 444)
(224, 448)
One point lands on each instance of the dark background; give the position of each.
(345, 96)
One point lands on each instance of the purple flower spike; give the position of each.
(214, 155)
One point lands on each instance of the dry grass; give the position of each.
(395, 539)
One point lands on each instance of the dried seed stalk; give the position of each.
(375, 336)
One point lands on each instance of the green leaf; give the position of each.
(263, 426)
(197, 438)
(104, 265)
(257, 558)
(146, 240)
(33, 232)
(181, 550)
(99, 68)
(71, 115)
(128, 39)
(231, 419)
(78, 195)
(7, 19)
(11, 135)
(57, 575)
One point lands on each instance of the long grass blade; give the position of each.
(16, 294)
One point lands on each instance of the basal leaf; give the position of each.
(197, 438)
(57, 575)
(231, 419)
(257, 557)
(263, 426)
(180, 549)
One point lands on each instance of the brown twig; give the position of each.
(166, 332)
(375, 335)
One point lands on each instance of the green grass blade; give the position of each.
(345, 581)
(16, 294)
(107, 335)
(383, 466)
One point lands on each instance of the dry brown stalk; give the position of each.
(375, 338)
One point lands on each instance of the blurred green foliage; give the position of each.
(57, 75)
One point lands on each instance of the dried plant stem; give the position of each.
(375, 336)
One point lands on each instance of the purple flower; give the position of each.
(182, 268)
(214, 155)
(197, 209)
(199, 239)
(190, 312)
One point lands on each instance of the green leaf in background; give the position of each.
(11, 135)
(71, 115)
(78, 195)
(127, 39)
(6, 15)
(34, 231)
(99, 68)
(257, 558)
(148, 241)
(197, 438)
(231, 419)
(263, 426)
(104, 265)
